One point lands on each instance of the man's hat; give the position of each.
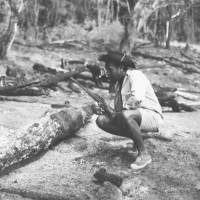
(117, 58)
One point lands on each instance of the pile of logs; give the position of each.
(15, 84)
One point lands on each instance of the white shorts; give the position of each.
(151, 120)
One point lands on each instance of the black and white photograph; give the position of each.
(99, 100)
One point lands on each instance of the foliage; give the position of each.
(107, 34)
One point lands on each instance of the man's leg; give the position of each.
(132, 121)
(125, 124)
(108, 125)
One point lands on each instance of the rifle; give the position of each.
(103, 105)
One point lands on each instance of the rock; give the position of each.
(109, 192)
(103, 176)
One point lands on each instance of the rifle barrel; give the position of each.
(93, 95)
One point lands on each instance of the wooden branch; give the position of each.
(52, 80)
(33, 91)
(43, 69)
(195, 61)
(91, 73)
(178, 64)
(17, 99)
(8, 89)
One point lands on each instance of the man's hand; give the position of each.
(132, 102)
(107, 110)
(97, 109)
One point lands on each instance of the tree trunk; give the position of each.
(10, 21)
(6, 33)
(99, 12)
(38, 137)
(156, 28)
(168, 33)
(193, 24)
(108, 11)
(168, 27)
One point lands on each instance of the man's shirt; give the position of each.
(137, 91)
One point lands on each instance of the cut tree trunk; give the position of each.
(38, 137)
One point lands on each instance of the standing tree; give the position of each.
(9, 13)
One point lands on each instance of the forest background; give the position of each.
(105, 22)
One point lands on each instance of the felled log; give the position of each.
(52, 80)
(17, 99)
(43, 69)
(45, 81)
(91, 73)
(168, 97)
(28, 91)
(10, 89)
(38, 137)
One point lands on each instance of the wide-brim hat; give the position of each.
(117, 58)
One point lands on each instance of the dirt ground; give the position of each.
(66, 170)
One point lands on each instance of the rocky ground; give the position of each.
(66, 170)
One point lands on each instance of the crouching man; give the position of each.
(136, 105)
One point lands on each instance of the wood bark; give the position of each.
(11, 19)
(8, 24)
(44, 133)
(32, 91)
(168, 27)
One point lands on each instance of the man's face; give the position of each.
(115, 73)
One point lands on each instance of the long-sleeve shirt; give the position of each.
(137, 91)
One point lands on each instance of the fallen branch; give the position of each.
(177, 64)
(91, 73)
(33, 91)
(8, 89)
(4, 98)
(53, 80)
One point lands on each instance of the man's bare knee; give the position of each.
(132, 115)
(101, 121)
